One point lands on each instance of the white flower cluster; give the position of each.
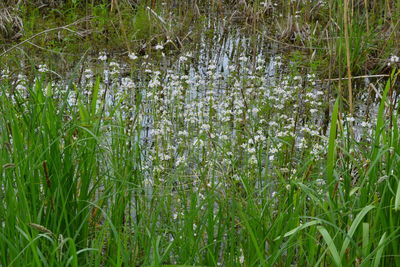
(222, 117)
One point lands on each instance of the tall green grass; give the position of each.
(73, 192)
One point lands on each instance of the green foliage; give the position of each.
(73, 190)
(141, 24)
(66, 199)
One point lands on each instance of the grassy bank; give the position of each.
(340, 38)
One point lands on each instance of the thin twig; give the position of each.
(164, 26)
(45, 31)
(355, 77)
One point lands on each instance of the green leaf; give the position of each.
(331, 147)
(379, 253)
(353, 228)
(299, 228)
(397, 200)
(253, 239)
(380, 117)
(331, 245)
(83, 112)
(365, 242)
(95, 95)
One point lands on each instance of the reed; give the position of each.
(155, 164)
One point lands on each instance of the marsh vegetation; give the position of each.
(199, 133)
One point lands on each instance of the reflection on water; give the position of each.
(233, 99)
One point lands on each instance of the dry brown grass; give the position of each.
(11, 25)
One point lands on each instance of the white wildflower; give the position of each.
(132, 56)
(159, 47)
(43, 68)
(205, 127)
(102, 56)
(253, 159)
(393, 59)
(251, 150)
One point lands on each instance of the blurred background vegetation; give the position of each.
(335, 39)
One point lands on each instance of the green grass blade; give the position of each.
(353, 228)
(379, 253)
(95, 96)
(331, 147)
(253, 239)
(380, 116)
(331, 245)
(365, 243)
(397, 199)
(297, 229)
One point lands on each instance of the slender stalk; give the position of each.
(366, 7)
(348, 55)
